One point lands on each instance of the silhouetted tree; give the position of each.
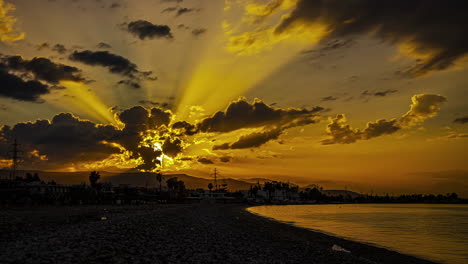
(94, 177)
(159, 178)
(210, 186)
(269, 187)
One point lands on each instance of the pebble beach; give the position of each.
(174, 233)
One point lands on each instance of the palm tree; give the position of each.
(159, 178)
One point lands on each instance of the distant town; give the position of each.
(30, 189)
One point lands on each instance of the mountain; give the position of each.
(191, 182)
(133, 178)
(343, 193)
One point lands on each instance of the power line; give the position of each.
(14, 153)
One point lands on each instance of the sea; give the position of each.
(437, 232)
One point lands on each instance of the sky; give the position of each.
(345, 94)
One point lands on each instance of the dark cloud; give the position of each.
(198, 31)
(103, 45)
(115, 64)
(12, 86)
(461, 120)
(184, 10)
(329, 98)
(381, 93)
(178, 10)
(252, 140)
(64, 140)
(188, 128)
(42, 69)
(59, 48)
(137, 121)
(241, 114)
(433, 27)
(149, 102)
(130, 83)
(147, 30)
(225, 159)
(205, 161)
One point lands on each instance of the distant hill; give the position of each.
(133, 178)
(255, 180)
(344, 193)
(191, 182)
(149, 179)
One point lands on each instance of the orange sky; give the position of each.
(339, 98)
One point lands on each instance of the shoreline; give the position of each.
(175, 233)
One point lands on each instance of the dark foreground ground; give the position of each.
(169, 234)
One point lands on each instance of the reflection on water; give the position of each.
(434, 232)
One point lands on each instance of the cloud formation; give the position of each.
(241, 114)
(14, 87)
(380, 93)
(42, 69)
(423, 106)
(461, 120)
(253, 140)
(432, 30)
(114, 63)
(178, 10)
(7, 23)
(64, 140)
(146, 30)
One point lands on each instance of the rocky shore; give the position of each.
(184, 233)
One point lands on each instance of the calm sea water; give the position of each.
(433, 232)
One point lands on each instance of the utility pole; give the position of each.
(215, 180)
(15, 157)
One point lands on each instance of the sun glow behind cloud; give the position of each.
(82, 100)
(241, 56)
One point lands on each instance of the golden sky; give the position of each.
(329, 92)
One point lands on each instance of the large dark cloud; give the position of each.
(147, 30)
(433, 27)
(42, 69)
(114, 63)
(14, 87)
(67, 139)
(205, 161)
(241, 114)
(461, 120)
(138, 121)
(64, 140)
(252, 140)
(28, 80)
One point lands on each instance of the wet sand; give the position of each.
(183, 233)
